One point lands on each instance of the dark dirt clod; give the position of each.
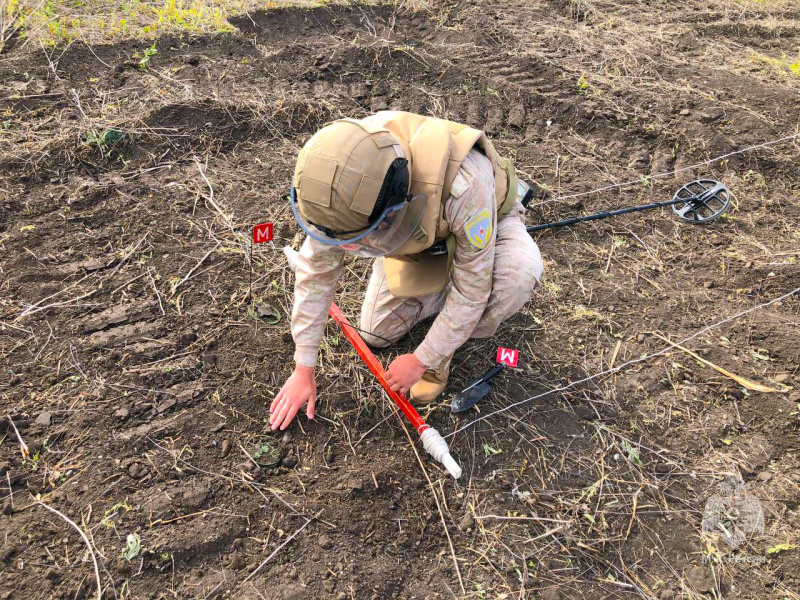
(701, 579)
(137, 470)
(7, 552)
(582, 411)
(237, 562)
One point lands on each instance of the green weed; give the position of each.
(489, 451)
(106, 141)
(133, 546)
(784, 65)
(145, 57)
(53, 22)
(108, 518)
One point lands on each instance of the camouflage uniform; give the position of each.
(487, 285)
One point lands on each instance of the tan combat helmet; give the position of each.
(351, 190)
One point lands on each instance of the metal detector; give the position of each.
(698, 202)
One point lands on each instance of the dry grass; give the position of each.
(52, 22)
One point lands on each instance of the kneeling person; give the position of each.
(437, 207)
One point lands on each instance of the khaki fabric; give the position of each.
(515, 273)
(487, 285)
(339, 174)
(436, 148)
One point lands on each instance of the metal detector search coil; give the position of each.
(702, 201)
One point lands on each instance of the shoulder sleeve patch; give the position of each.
(479, 229)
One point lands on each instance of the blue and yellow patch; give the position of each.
(479, 229)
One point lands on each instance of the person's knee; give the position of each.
(534, 270)
(530, 269)
(525, 275)
(371, 333)
(375, 341)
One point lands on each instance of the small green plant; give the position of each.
(619, 241)
(489, 451)
(32, 461)
(112, 512)
(133, 546)
(582, 85)
(780, 548)
(331, 341)
(782, 64)
(11, 21)
(265, 452)
(164, 561)
(144, 59)
(633, 454)
(106, 141)
(762, 354)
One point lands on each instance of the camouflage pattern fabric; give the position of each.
(495, 271)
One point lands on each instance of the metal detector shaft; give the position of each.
(605, 214)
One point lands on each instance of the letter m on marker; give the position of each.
(508, 356)
(262, 233)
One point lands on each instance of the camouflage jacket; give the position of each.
(469, 211)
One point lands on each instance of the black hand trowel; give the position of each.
(477, 390)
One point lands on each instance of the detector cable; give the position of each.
(623, 365)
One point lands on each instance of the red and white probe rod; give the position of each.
(432, 440)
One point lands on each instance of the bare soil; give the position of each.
(137, 373)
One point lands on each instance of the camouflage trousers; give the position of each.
(516, 273)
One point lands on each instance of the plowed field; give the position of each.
(139, 374)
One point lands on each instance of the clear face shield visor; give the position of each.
(393, 227)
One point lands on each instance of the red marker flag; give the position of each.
(508, 356)
(262, 233)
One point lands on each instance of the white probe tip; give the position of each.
(451, 465)
(436, 446)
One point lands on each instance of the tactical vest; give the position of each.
(435, 149)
